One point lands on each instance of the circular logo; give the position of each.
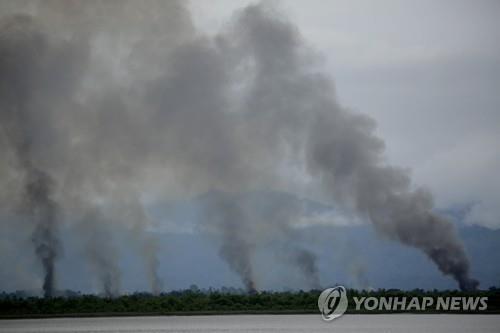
(332, 303)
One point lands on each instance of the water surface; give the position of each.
(261, 323)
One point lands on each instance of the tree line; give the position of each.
(195, 301)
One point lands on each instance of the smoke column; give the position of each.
(343, 150)
(118, 103)
(58, 117)
(43, 211)
(245, 222)
(306, 261)
(101, 251)
(147, 244)
(226, 216)
(21, 49)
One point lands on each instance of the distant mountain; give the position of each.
(352, 255)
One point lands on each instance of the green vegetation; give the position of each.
(201, 302)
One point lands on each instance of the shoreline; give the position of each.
(225, 313)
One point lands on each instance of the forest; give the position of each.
(194, 301)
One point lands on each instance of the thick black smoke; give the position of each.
(22, 68)
(114, 104)
(43, 212)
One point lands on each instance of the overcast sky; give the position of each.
(427, 71)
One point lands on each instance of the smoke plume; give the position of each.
(100, 251)
(229, 218)
(306, 261)
(22, 49)
(118, 104)
(43, 211)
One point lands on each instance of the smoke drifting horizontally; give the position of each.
(108, 105)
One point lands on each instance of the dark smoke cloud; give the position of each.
(358, 177)
(58, 117)
(22, 53)
(43, 211)
(114, 104)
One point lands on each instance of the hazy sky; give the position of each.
(427, 71)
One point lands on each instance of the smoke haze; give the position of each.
(108, 105)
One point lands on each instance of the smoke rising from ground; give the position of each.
(22, 43)
(248, 221)
(113, 104)
(101, 252)
(43, 211)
